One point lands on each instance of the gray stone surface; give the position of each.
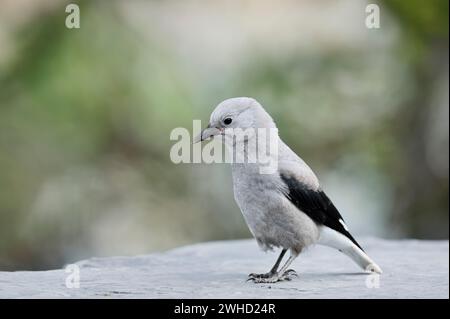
(412, 269)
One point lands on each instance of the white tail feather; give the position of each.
(334, 239)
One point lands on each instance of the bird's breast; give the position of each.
(257, 195)
(270, 216)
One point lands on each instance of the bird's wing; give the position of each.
(313, 202)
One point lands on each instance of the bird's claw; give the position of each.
(266, 275)
(288, 275)
(261, 280)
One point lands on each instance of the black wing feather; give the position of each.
(316, 205)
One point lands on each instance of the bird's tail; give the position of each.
(332, 238)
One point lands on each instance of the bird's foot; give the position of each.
(266, 275)
(288, 275)
(270, 277)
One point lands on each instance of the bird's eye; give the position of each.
(227, 121)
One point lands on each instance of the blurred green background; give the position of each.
(86, 114)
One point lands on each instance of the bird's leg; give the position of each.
(274, 269)
(277, 263)
(283, 274)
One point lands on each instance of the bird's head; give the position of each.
(236, 115)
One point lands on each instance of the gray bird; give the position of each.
(286, 208)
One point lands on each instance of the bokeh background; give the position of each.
(86, 115)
